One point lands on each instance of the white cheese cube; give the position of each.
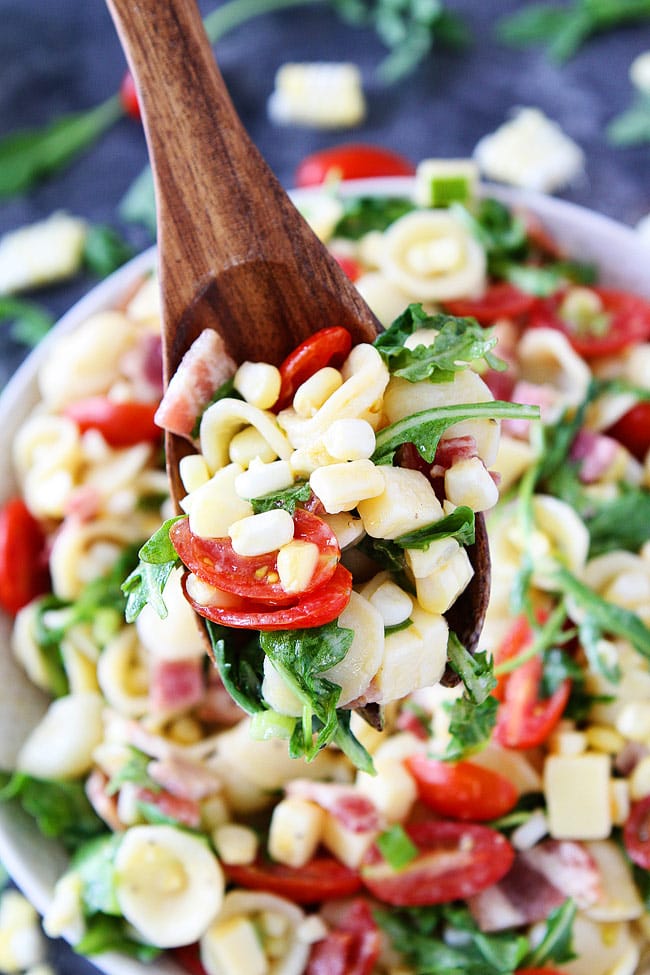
(295, 831)
(215, 505)
(193, 471)
(259, 534)
(42, 253)
(259, 383)
(392, 790)
(347, 846)
(469, 482)
(235, 843)
(320, 95)
(440, 182)
(413, 658)
(354, 673)
(350, 440)
(348, 529)
(341, 487)
(407, 502)
(639, 779)
(232, 946)
(576, 788)
(277, 693)
(513, 458)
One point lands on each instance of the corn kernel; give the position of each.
(296, 564)
(193, 472)
(350, 439)
(261, 533)
(295, 831)
(619, 794)
(215, 505)
(249, 444)
(469, 482)
(580, 307)
(639, 779)
(235, 843)
(259, 383)
(311, 395)
(603, 738)
(340, 487)
(261, 479)
(393, 603)
(633, 721)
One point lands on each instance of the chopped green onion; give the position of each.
(397, 849)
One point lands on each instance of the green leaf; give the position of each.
(500, 231)
(240, 662)
(545, 280)
(94, 863)
(29, 322)
(105, 250)
(32, 155)
(475, 670)
(138, 205)
(556, 942)
(396, 847)
(424, 429)
(470, 727)
(459, 524)
(618, 523)
(105, 933)
(61, 809)
(632, 127)
(136, 770)
(146, 583)
(287, 499)
(363, 214)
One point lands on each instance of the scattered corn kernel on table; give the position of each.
(64, 57)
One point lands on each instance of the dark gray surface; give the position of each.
(61, 56)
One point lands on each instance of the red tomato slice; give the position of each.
(349, 266)
(129, 97)
(352, 947)
(525, 720)
(454, 860)
(354, 160)
(121, 424)
(633, 430)
(215, 561)
(23, 563)
(518, 637)
(636, 833)
(329, 347)
(189, 958)
(315, 608)
(501, 300)
(461, 790)
(629, 322)
(322, 879)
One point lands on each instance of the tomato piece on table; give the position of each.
(352, 947)
(129, 97)
(122, 424)
(501, 300)
(23, 562)
(189, 958)
(314, 609)
(255, 577)
(636, 833)
(626, 318)
(322, 878)
(524, 719)
(328, 347)
(633, 430)
(460, 789)
(454, 860)
(353, 160)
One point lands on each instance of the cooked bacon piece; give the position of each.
(185, 778)
(354, 811)
(530, 394)
(540, 880)
(143, 366)
(104, 805)
(176, 685)
(204, 367)
(450, 450)
(186, 811)
(596, 453)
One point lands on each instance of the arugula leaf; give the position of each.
(61, 809)
(135, 769)
(619, 523)
(287, 499)
(476, 671)
(94, 863)
(459, 342)
(555, 944)
(631, 127)
(106, 933)
(30, 322)
(146, 583)
(105, 250)
(473, 715)
(424, 429)
(544, 280)
(499, 230)
(240, 662)
(396, 846)
(459, 524)
(398, 627)
(362, 214)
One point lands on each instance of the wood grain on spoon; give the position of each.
(235, 255)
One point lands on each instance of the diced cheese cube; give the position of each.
(413, 658)
(576, 788)
(347, 846)
(358, 667)
(235, 843)
(407, 502)
(232, 947)
(393, 603)
(348, 529)
(440, 182)
(392, 790)
(640, 779)
(214, 506)
(41, 253)
(295, 831)
(322, 95)
(513, 458)
(341, 487)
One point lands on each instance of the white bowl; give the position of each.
(34, 862)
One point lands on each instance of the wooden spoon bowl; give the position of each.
(235, 255)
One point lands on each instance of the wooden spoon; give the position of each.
(234, 254)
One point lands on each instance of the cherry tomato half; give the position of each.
(524, 719)
(122, 424)
(352, 947)
(314, 609)
(501, 300)
(23, 564)
(354, 160)
(633, 430)
(322, 878)
(454, 860)
(129, 97)
(460, 789)
(349, 266)
(629, 322)
(328, 347)
(215, 561)
(636, 833)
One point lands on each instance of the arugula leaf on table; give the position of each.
(424, 429)
(61, 809)
(94, 864)
(458, 343)
(138, 205)
(362, 214)
(146, 583)
(106, 933)
(29, 322)
(631, 127)
(287, 499)
(105, 250)
(240, 662)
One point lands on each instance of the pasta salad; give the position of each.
(495, 826)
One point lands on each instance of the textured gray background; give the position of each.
(60, 56)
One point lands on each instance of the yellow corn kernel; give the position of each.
(603, 738)
(193, 472)
(639, 779)
(216, 505)
(340, 487)
(393, 603)
(185, 731)
(261, 478)
(259, 383)
(295, 831)
(619, 795)
(469, 482)
(316, 390)
(261, 533)
(350, 439)
(235, 843)
(248, 445)
(296, 564)
(633, 721)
